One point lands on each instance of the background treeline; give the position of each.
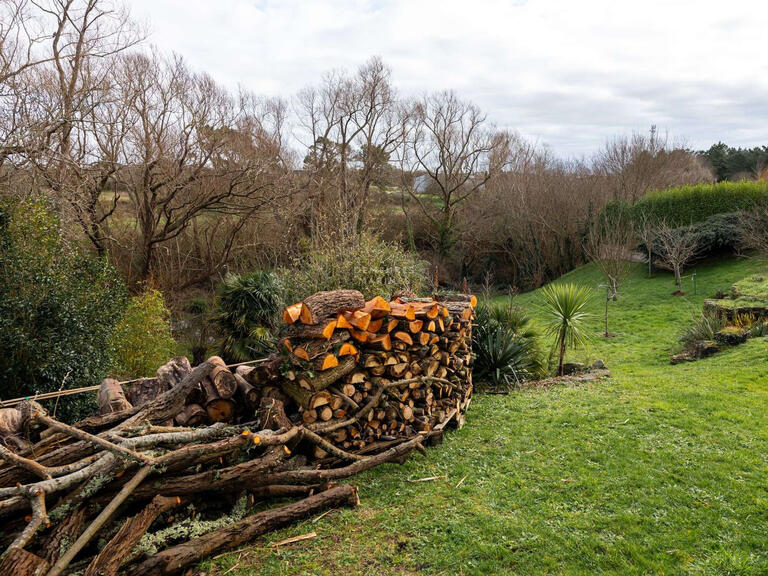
(162, 185)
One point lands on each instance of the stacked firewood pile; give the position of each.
(182, 466)
(412, 354)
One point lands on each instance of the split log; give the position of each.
(111, 397)
(323, 329)
(221, 378)
(323, 304)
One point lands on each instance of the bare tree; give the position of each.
(754, 232)
(351, 130)
(640, 163)
(609, 244)
(192, 149)
(677, 246)
(448, 141)
(645, 229)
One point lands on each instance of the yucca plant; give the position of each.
(564, 307)
(505, 346)
(248, 312)
(503, 358)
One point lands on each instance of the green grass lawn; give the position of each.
(661, 470)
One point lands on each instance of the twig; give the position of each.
(298, 538)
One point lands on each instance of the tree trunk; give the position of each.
(173, 560)
(562, 353)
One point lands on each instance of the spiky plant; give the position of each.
(248, 311)
(503, 358)
(564, 306)
(505, 345)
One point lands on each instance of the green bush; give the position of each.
(368, 264)
(142, 338)
(249, 309)
(505, 344)
(58, 308)
(685, 205)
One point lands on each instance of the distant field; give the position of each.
(661, 470)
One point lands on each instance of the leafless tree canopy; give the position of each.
(177, 178)
(678, 246)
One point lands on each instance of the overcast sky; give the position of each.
(566, 73)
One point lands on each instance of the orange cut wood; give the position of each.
(447, 312)
(377, 307)
(292, 313)
(300, 352)
(287, 344)
(359, 335)
(328, 361)
(431, 326)
(404, 337)
(348, 349)
(433, 311)
(392, 324)
(415, 325)
(329, 328)
(473, 301)
(342, 322)
(375, 325)
(423, 338)
(410, 312)
(382, 341)
(306, 314)
(360, 319)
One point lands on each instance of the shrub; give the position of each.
(685, 205)
(502, 358)
(58, 308)
(703, 326)
(142, 339)
(504, 341)
(368, 264)
(249, 309)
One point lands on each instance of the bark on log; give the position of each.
(19, 562)
(323, 304)
(173, 560)
(112, 556)
(111, 397)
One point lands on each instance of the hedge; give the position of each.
(685, 205)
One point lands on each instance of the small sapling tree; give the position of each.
(677, 246)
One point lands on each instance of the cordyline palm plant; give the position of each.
(564, 306)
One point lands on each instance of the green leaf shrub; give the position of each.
(505, 345)
(685, 205)
(142, 339)
(58, 308)
(248, 311)
(367, 264)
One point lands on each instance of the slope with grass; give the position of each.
(661, 470)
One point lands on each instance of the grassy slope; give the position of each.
(660, 471)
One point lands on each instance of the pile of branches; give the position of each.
(182, 466)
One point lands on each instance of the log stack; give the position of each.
(339, 351)
(356, 384)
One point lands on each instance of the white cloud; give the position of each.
(568, 73)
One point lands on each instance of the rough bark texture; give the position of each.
(175, 559)
(324, 304)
